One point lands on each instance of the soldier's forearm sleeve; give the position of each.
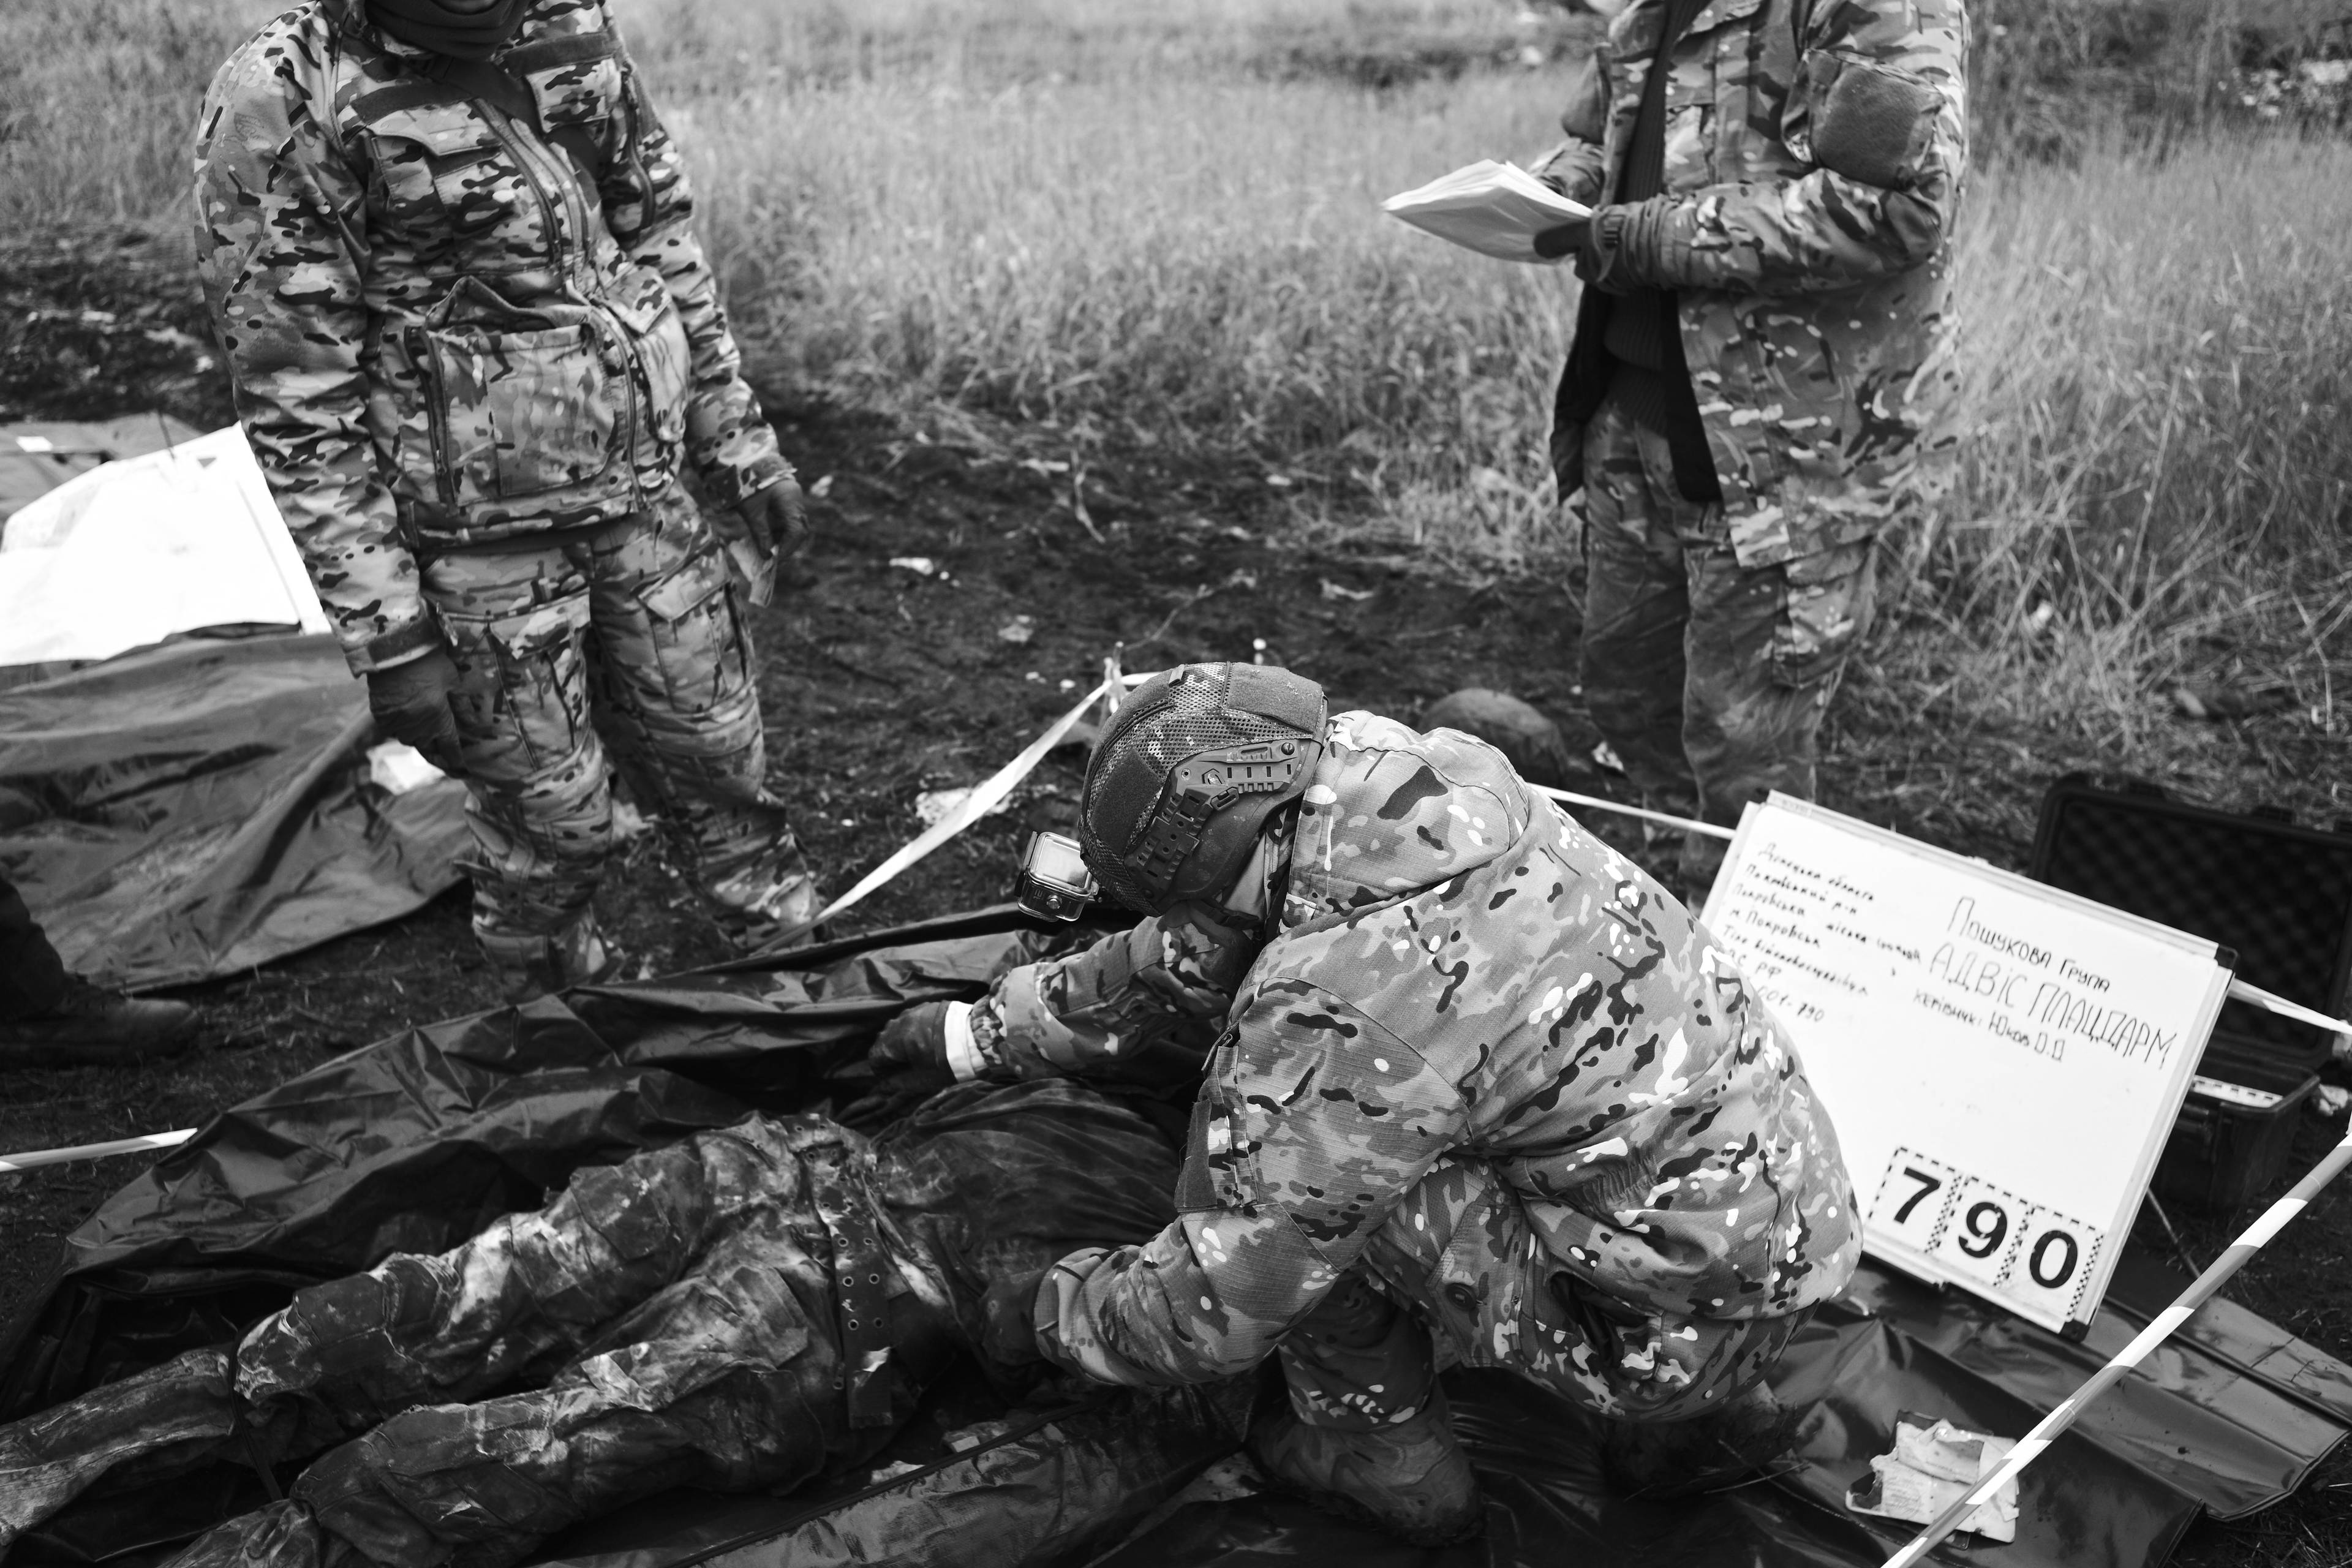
(649, 208)
(1316, 1121)
(1138, 1001)
(1879, 109)
(1575, 168)
(280, 249)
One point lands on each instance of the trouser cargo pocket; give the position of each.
(1826, 607)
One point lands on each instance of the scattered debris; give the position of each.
(1018, 630)
(1605, 758)
(1933, 1465)
(920, 565)
(934, 806)
(398, 767)
(2210, 701)
(2330, 1101)
(1279, 481)
(1337, 591)
(822, 489)
(964, 1439)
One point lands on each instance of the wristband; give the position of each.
(964, 1061)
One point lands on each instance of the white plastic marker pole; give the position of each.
(982, 798)
(2257, 997)
(1597, 804)
(2159, 1328)
(96, 1150)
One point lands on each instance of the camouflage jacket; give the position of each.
(450, 322)
(1814, 153)
(1460, 971)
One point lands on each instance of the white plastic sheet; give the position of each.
(135, 550)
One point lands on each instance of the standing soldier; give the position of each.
(1471, 1078)
(449, 254)
(1762, 352)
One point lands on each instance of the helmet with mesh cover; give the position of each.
(1187, 773)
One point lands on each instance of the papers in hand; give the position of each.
(1495, 209)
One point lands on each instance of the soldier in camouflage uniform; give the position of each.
(1471, 1078)
(449, 254)
(739, 1312)
(1762, 369)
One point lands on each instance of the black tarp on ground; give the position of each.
(420, 1138)
(186, 810)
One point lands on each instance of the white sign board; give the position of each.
(2002, 1060)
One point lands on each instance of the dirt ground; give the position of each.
(880, 680)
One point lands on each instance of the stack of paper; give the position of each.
(1934, 1464)
(1495, 209)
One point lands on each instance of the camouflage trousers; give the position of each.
(1460, 1264)
(1708, 677)
(738, 1312)
(629, 639)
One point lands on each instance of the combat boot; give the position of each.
(1659, 1461)
(91, 1025)
(766, 913)
(1409, 1478)
(529, 967)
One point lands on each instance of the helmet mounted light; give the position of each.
(1054, 883)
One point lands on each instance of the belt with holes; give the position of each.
(861, 1278)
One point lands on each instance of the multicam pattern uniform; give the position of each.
(1491, 1062)
(1710, 679)
(454, 331)
(672, 1321)
(1814, 151)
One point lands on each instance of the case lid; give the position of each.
(2279, 894)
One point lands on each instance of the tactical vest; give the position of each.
(528, 373)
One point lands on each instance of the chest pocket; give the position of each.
(1711, 80)
(580, 91)
(442, 172)
(525, 404)
(642, 302)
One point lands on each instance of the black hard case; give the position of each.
(2279, 895)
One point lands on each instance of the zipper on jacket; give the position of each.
(495, 119)
(567, 266)
(436, 414)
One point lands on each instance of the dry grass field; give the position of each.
(1142, 240)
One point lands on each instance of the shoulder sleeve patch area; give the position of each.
(1871, 123)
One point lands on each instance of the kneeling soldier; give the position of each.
(1474, 1078)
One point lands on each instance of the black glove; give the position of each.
(411, 703)
(910, 1056)
(1572, 235)
(1598, 244)
(910, 1062)
(777, 519)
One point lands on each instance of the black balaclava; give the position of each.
(443, 29)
